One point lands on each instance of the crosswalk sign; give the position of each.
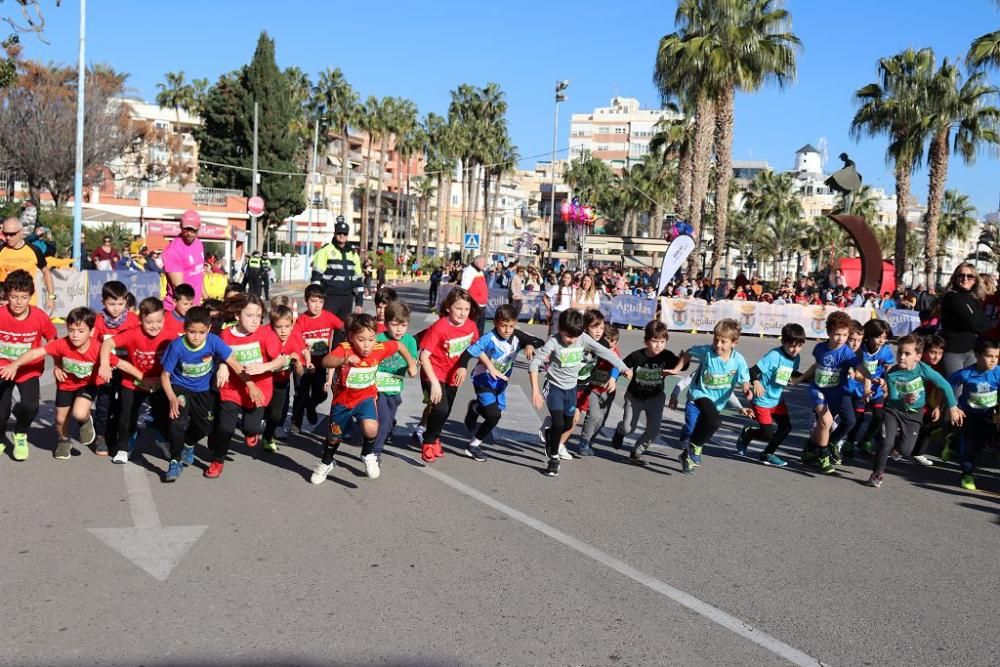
(471, 242)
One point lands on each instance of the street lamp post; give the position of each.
(560, 97)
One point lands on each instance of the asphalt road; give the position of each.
(493, 563)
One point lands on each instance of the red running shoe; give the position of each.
(251, 440)
(438, 450)
(427, 453)
(214, 470)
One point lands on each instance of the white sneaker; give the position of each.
(564, 453)
(121, 456)
(923, 460)
(320, 472)
(372, 468)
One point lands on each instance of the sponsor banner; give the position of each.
(676, 253)
(140, 283)
(902, 322)
(70, 287)
(754, 317)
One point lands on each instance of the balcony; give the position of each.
(214, 196)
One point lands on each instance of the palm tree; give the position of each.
(826, 238)
(958, 219)
(371, 121)
(894, 106)
(502, 161)
(336, 106)
(985, 50)
(674, 138)
(773, 201)
(966, 109)
(388, 114)
(299, 89)
(441, 162)
(409, 141)
(426, 187)
(175, 93)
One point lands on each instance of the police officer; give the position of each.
(338, 268)
(252, 277)
(266, 273)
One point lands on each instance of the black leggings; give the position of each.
(491, 417)
(274, 413)
(874, 425)
(561, 423)
(773, 434)
(227, 418)
(107, 409)
(708, 423)
(128, 418)
(309, 391)
(27, 408)
(439, 413)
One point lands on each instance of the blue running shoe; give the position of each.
(743, 441)
(187, 456)
(773, 460)
(173, 471)
(584, 449)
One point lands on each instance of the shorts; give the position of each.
(763, 415)
(341, 415)
(486, 397)
(830, 397)
(561, 400)
(66, 397)
(861, 405)
(583, 398)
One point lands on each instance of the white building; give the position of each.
(618, 134)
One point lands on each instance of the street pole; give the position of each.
(309, 202)
(78, 176)
(253, 187)
(560, 86)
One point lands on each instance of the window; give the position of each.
(620, 130)
(602, 148)
(604, 130)
(454, 200)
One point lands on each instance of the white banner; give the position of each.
(755, 317)
(676, 253)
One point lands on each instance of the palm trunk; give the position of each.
(397, 220)
(724, 173)
(682, 200)
(345, 176)
(474, 198)
(938, 176)
(700, 164)
(405, 229)
(365, 205)
(496, 198)
(377, 227)
(441, 220)
(903, 172)
(445, 231)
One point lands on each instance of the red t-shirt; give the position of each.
(80, 367)
(356, 382)
(291, 347)
(145, 352)
(317, 331)
(102, 332)
(446, 343)
(19, 336)
(380, 328)
(173, 324)
(261, 346)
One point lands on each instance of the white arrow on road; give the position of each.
(155, 549)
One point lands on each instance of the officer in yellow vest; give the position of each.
(253, 278)
(338, 268)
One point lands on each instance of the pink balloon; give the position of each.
(588, 214)
(565, 210)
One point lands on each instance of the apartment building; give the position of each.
(618, 134)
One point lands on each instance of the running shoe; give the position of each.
(64, 449)
(418, 436)
(773, 460)
(372, 468)
(87, 433)
(564, 453)
(875, 480)
(923, 460)
(636, 457)
(848, 450)
(214, 470)
(121, 456)
(686, 466)
(617, 440)
(187, 455)
(20, 446)
(868, 448)
(321, 471)
(270, 446)
(553, 469)
(743, 441)
(968, 483)
(946, 453)
(471, 415)
(427, 452)
(826, 466)
(100, 446)
(834, 453)
(584, 449)
(696, 455)
(475, 453)
(251, 440)
(438, 449)
(173, 471)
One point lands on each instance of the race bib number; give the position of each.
(911, 390)
(78, 368)
(317, 346)
(717, 380)
(248, 354)
(571, 356)
(983, 400)
(361, 378)
(826, 377)
(871, 367)
(585, 371)
(648, 376)
(198, 369)
(782, 375)
(504, 366)
(12, 351)
(456, 346)
(389, 383)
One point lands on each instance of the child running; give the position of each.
(189, 365)
(173, 321)
(978, 401)
(593, 326)
(316, 327)
(496, 352)
(293, 348)
(905, 403)
(114, 318)
(934, 417)
(441, 348)
(565, 352)
(144, 347)
(720, 369)
(603, 384)
(770, 375)
(389, 381)
(22, 327)
(258, 350)
(645, 394)
(876, 357)
(355, 392)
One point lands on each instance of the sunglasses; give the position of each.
(966, 276)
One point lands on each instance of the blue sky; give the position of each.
(423, 50)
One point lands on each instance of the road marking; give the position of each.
(155, 549)
(516, 396)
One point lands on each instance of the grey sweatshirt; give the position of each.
(567, 359)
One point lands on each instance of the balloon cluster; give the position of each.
(577, 214)
(679, 228)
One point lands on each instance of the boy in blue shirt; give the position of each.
(827, 391)
(770, 375)
(979, 383)
(496, 352)
(721, 369)
(877, 358)
(189, 364)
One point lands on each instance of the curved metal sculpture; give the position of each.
(846, 182)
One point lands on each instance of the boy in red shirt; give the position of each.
(22, 327)
(294, 347)
(114, 318)
(316, 327)
(173, 320)
(355, 392)
(144, 347)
